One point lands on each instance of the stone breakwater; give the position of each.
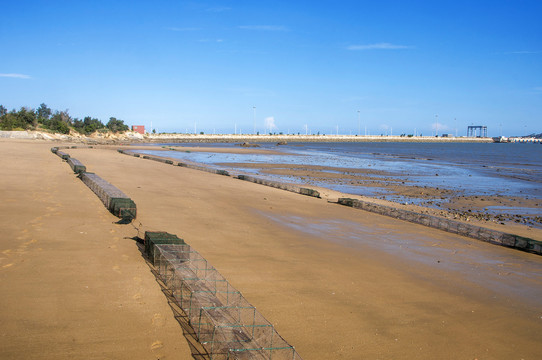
(247, 138)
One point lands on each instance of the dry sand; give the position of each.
(72, 285)
(338, 283)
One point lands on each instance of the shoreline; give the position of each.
(517, 215)
(136, 138)
(496, 231)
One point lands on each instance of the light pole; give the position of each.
(437, 124)
(455, 125)
(254, 118)
(359, 124)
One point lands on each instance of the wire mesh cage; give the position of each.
(63, 155)
(274, 347)
(114, 199)
(241, 331)
(224, 322)
(159, 237)
(77, 166)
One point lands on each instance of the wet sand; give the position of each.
(521, 214)
(337, 283)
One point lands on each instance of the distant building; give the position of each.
(139, 129)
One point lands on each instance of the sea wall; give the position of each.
(133, 137)
(248, 138)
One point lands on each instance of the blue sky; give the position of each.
(290, 66)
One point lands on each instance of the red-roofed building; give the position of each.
(139, 129)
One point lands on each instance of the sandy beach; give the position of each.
(337, 283)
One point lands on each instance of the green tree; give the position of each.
(26, 118)
(65, 117)
(22, 119)
(9, 121)
(59, 126)
(59, 122)
(90, 125)
(43, 113)
(78, 125)
(116, 125)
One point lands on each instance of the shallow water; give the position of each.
(468, 168)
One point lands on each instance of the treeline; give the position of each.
(58, 121)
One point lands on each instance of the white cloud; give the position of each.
(379, 46)
(16, 76)
(264, 27)
(270, 123)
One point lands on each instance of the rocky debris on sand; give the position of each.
(246, 144)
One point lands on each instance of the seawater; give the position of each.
(506, 169)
